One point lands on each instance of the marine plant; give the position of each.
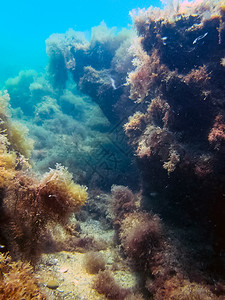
(141, 236)
(176, 131)
(217, 133)
(30, 204)
(186, 291)
(123, 202)
(15, 134)
(15, 146)
(92, 64)
(105, 284)
(60, 194)
(148, 74)
(19, 88)
(135, 125)
(176, 288)
(7, 163)
(17, 280)
(179, 128)
(94, 262)
(18, 137)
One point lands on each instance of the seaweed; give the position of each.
(17, 280)
(30, 204)
(180, 130)
(105, 284)
(94, 262)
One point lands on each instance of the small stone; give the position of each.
(52, 284)
(75, 281)
(63, 270)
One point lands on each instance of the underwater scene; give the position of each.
(112, 150)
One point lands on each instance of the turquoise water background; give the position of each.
(25, 25)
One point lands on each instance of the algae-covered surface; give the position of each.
(112, 159)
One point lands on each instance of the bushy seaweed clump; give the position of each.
(29, 203)
(140, 233)
(15, 132)
(15, 146)
(123, 202)
(17, 280)
(105, 284)
(60, 194)
(141, 237)
(153, 251)
(94, 262)
(7, 164)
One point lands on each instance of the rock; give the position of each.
(52, 284)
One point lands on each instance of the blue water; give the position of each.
(25, 25)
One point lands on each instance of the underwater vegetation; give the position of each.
(180, 134)
(94, 262)
(18, 280)
(175, 77)
(28, 203)
(69, 128)
(105, 284)
(138, 117)
(99, 67)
